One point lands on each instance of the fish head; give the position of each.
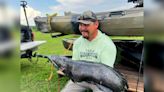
(60, 61)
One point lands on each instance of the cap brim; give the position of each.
(84, 21)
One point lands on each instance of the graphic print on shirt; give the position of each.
(89, 54)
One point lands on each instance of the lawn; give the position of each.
(34, 74)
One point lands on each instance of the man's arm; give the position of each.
(108, 55)
(74, 57)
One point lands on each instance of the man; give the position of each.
(93, 46)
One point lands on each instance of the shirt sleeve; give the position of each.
(108, 55)
(75, 55)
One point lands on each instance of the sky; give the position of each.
(8, 13)
(43, 7)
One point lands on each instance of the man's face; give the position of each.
(87, 30)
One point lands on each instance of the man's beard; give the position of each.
(85, 35)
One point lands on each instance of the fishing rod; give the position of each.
(24, 5)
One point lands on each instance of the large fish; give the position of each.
(105, 77)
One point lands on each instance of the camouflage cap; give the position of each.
(87, 17)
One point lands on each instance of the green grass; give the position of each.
(34, 74)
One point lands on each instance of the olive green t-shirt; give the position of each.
(101, 49)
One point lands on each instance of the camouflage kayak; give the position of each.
(125, 22)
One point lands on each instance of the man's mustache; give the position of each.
(84, 31)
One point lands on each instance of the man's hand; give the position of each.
(60, 71)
